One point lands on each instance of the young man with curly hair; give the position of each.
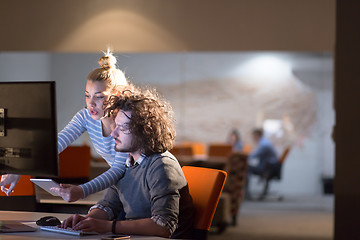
(153, 197)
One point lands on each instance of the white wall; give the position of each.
(70, 72)
(20, 66)
(310, 158)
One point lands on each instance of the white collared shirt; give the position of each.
(139, 161)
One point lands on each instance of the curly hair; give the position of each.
(151, 122)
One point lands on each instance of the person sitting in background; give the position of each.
(235, 141)
(153, 196)
(101, 83)
(264, 155)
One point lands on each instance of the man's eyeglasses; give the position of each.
(123, 128)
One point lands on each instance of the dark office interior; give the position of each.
(201, 55)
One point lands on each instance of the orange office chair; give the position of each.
(198, 148)
(23, 188)
(205, 186)
(219, 152)
(23, 197)
(74, 164)
(246, 149)
(180, 151)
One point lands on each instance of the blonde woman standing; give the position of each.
(101, 83)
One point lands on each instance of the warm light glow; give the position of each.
(273, 127)
(125, 30)
(266, 69)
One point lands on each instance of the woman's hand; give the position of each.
(9, 179)
(68, 192)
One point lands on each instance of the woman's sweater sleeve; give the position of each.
(76, 127)
(72, 131)
(108, 178)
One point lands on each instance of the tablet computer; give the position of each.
(46, 184)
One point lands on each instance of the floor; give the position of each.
(294, 218)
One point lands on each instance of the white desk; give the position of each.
(31, 217)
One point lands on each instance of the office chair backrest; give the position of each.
(198, 148)
(74, 162)
(275, 172)
(219, 150)
(205, 186)
(246, 149)
(179, 151)
(284, 155)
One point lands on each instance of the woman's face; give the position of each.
(96, 94)
(233, 138)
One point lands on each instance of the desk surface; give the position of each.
(31, 217)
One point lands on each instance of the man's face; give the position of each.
(256, 137)
(122, 135)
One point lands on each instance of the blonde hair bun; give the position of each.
(107, 61)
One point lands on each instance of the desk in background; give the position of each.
(33, 216)
(49, 203)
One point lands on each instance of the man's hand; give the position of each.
(9, 179)
(72, 221)
(68, 192)
(90, 224)
(87, 224)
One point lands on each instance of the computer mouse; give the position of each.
(48, 221)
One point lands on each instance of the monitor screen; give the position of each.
(28, 135)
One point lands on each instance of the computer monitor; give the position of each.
(28, 133)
